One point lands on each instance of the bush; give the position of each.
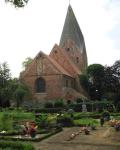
(86, 121)
(79, 100)
(106, 115)
(48, 104)
(59, 103)
(5, 121)
(65, 121)
(47, 110)
(42, 120)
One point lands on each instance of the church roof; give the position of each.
(71, 30)
(64, 54)
(60, 68)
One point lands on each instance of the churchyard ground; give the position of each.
(104, 138)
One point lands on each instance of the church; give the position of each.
(56, 75)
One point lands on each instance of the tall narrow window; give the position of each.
(40, 85)
(77, 59)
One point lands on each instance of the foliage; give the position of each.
(18, 3)
(112, 82)
(9, 120)
(59, 103)
(5, 121)
(11, 88)
(84, 82)
(27, 62)
(86, 121)
(16, 145)
(5, 90)
(106, 115)
(48, 104)
(96, 78)
(102, 82)
(65, 120)
(42, 120)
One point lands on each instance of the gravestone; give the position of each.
(84, 108)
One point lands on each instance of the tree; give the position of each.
(112, 82)
(21, 93)
(95, 81)
(27, 62)
(84, 82)
(96, 78)
(5, 77)
(18, 3)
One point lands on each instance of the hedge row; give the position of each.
(15, 145)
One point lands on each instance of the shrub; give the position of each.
(66, 121)
(79, 100)
(106, 115)
(86, 121)
(48, 104)
(42, 120)
(59, 103)
(5, 121)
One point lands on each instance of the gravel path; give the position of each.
(104, 138)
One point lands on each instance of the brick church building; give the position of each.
(56, 75)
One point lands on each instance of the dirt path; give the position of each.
(104, 138)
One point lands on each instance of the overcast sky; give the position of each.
(38, 26)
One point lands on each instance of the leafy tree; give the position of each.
(11, 89)
(4, 84)
(112, 82)
(27, 62)
(18, 3)
(84, 82)
(96, 80)
(21, 93)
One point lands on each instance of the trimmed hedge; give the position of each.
(47, 110)
(15, 145)
(31, 139)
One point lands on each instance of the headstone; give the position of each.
(84, 108)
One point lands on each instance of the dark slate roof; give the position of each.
(71, 30)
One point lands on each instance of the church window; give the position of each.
(55, 51)
(77, 59)
(40, 85)
(68, 49)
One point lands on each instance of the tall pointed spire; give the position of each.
(71, 30)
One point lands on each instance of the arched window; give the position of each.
(40, 85)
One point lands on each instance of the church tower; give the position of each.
(72, 40)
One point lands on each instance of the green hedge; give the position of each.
(86, 121)
(16, 145)
(47, 110)
(10, 138)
